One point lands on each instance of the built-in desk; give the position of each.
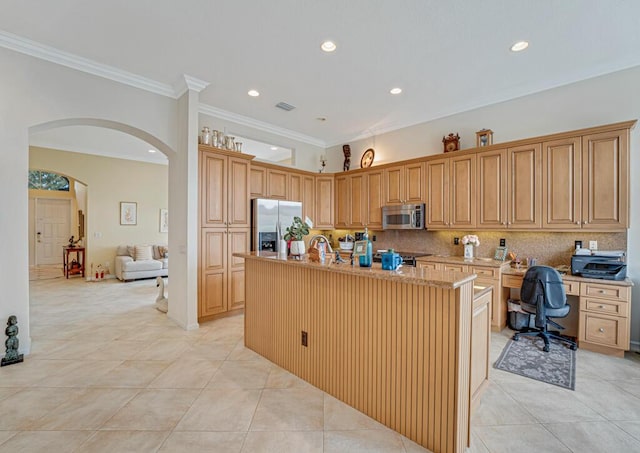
(604, 310)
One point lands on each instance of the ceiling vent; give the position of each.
(285, 106)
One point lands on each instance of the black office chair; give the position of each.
(542, 294)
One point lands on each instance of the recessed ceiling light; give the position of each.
(520, 45)
(274, 148)
(152, 150)
(395, 90)
(322, 118)
(253, 93)
(328, 46)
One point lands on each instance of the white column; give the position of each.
(183, 210)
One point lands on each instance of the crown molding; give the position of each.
(44, 52)
(188, 82)
(260, 125)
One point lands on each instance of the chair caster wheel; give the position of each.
(515, 338)
(574, 347)
(546, 348)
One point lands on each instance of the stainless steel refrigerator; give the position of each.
(269, 221)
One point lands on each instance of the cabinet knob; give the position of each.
(601, 329)
(601, 291)
(504, 223)
(601, 306)
(577, 222)
(585, 222)
(508, 223)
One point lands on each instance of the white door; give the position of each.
(53, 221)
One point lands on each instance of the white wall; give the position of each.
(110, 181)
(602, 100)
(35, 92)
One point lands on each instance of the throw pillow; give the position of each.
(143, 253)
(122, 250)
(163, 251)
(131, 251)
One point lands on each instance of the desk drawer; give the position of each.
(486, 272)
(571, 288)
(609, 292)
(608, 307)
(431, 266)
(512, 281)
(455, 267)
(604, 330)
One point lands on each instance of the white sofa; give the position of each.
(142, 261)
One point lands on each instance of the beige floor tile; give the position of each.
(198, 374)
(8, 391)
(294, 409)
(153, 410)
(208, 351)
(80, 374)
(521, 438)
(117, 350)
(210, 442)
(283, 442)
(537, 400)
(163, 350)
(221, 410)
(29, 405)
(31, 371)
(340, 416)
(241, 375)
(242, 353)
(609, 401)
(412, 447)
(477, 446)
(631, 386)
(123, 442)
(632, 428)
(6, 435)
(87, 409)
(594, 437)
(281, 379)
(132, 373)
(365, 441)
(497, 407)
(45, 441)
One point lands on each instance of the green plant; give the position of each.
(297, 230)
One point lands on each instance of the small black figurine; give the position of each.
(346, 149)
(72, 242)
(11, 356)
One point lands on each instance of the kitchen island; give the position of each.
(394, 345)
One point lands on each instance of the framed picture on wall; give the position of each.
(128, 213)
(164, 220)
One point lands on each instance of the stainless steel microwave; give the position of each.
(403, 217)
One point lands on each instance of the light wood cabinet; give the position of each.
(404, 183)
(277, 184)
(451, 190)
(375, 198)
(605, 180)
(480, 347)
(309, 196)
(324, 203)
(509, 188)
(258, 181)
(225, 190)
(605, 318)
(586, 182)
(342, 202)
(351, 201)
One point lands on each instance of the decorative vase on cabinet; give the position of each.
(468, 251)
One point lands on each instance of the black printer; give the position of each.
(607, 265)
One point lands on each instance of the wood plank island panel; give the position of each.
(394, 349)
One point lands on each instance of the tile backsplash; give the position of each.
(548, 248)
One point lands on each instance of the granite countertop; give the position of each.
(487, 262)
(569, 277)
(412, 275)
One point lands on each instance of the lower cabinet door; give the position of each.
(213, 294)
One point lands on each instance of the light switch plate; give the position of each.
(593, 245)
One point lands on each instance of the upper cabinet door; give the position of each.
(605, 180)
(375, 198)
(213, 188)
(415, 183)
(295, 187)
(394, 185)
(561, 184)
(492, 189)
(258, 181)
(324, 202)
(524, 180)
(462, 187)
(277, 184)
(358, 197)
(309, 196)
(238, 192)
(343, 202)
(437, 193)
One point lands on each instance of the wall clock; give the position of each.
(367, 158)
(451, 142)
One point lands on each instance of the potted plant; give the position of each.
(295, 233)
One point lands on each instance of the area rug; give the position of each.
(526, 358)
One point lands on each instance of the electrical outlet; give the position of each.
(593, 245)
(373, 238)
(456, 241)
(503, 242)
(577, 244)
(305, 339)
